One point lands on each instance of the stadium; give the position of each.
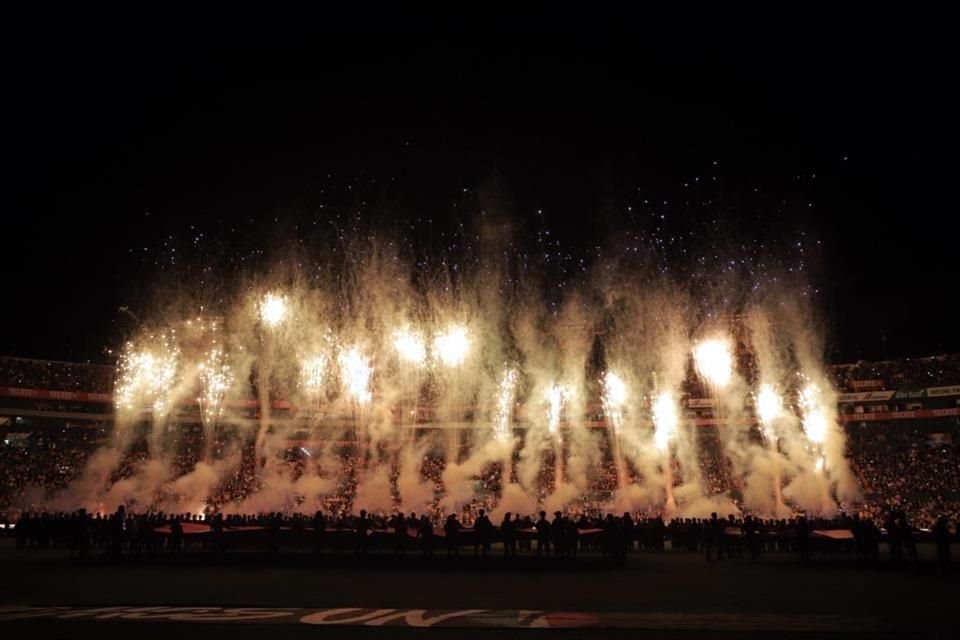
(596, 320)
(900, 419)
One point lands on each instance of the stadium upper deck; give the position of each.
(908, 389)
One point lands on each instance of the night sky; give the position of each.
(127, 135)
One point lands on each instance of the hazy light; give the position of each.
(769, 404)
(452, 346)
(145, 378)
(312, 374)
(614, 398)
(410, 346)
(503, 413)
(556, 397)
(714, 361)
(814, 415)
(273, 309)
(664, 420)
(216, 378)
(615, 390)
(357, 371)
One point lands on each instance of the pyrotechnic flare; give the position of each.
(503, 412)
(216, 379)
(410, 346)
(145, 378)
(273, 309)
(714, 361)
(769, 406)
(451, 346)
(312, 374)
(814, 414)
(614, 405)
(273, 312)
(819, 464)
(556, 398)
(369, 302)
(357, 372)
(614, 399)
(664, 420)
(503, 421)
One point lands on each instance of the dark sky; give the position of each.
(125, 130)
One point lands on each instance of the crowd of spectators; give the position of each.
(900, 374)
(897, 465)
(43, 463)
(55, 376)
(899, 468)
(895, 374)
(909, 469)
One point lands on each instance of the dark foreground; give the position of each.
(654, 596)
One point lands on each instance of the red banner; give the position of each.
(45, 394)
(900, 415)
(866, 385)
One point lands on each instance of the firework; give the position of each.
(503, 414)
(357, 372)
(664, 420)
(614, 398)
(312, 373)
(819, 464)
(216, 378)
(145, 378)
(769, 407)
(714, 361)
(814, 414)
(273, 309)
(557, 396)
(451, 346)
(410, 346)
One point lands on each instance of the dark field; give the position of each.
(654, 595)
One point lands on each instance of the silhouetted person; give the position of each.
(571, 537)
(894, 541)
(483, 530)
(176, 535)
(558, 534)
(362, 528)
(217, 529)
(659, 532)
(319, 526)
(710, 529)
(425, 533)
(803, 539)
(117, 524)
(508, 534)
(399, 525)
(751, 534)
(906, 537)
(23, 530)
(80, 535)
(941, 537)
(451, 529)
(273, 527)
(543, 534)
(628, 531)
